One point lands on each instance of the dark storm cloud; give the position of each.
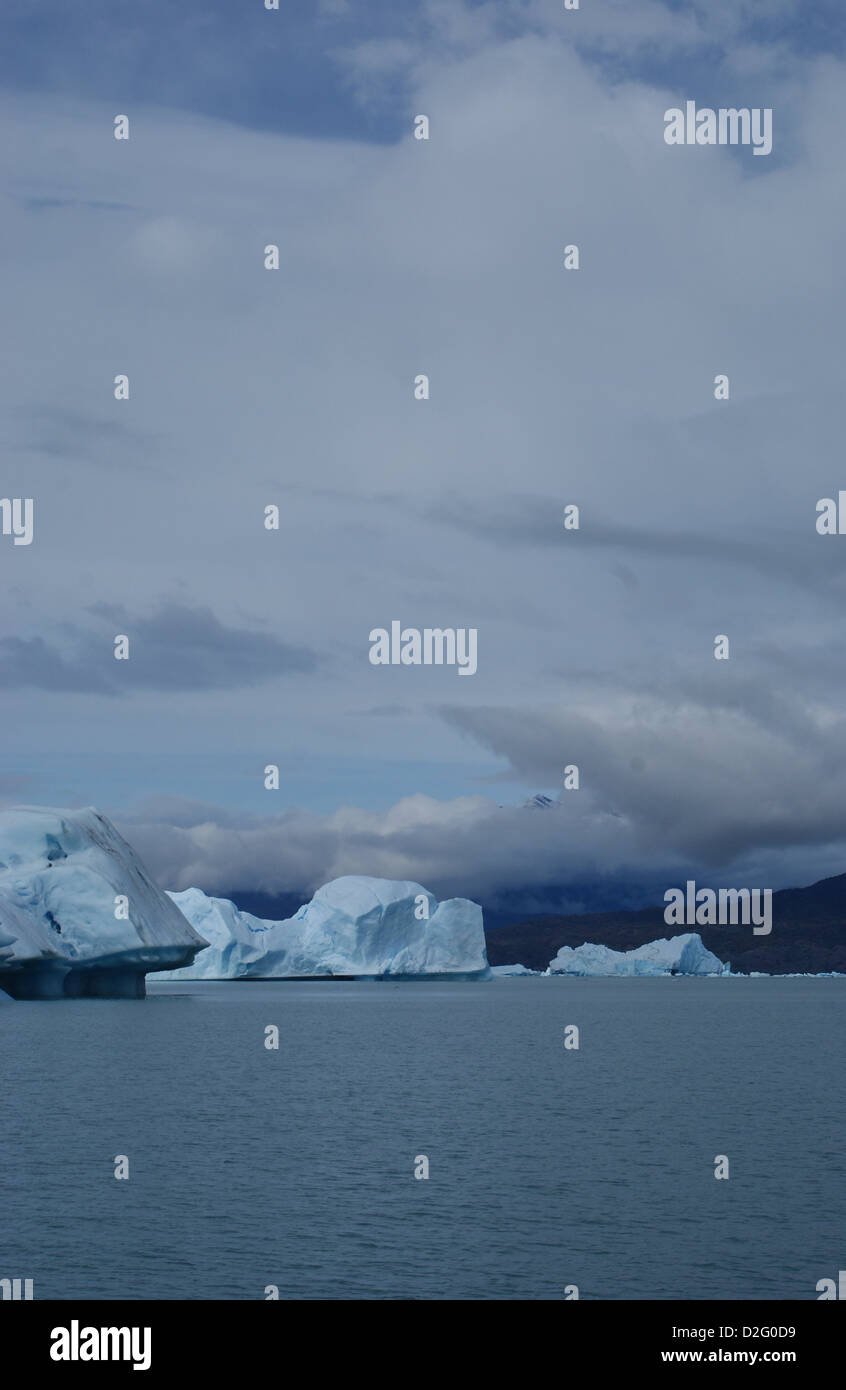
(178, 648)
(32, 662)
(704, 781)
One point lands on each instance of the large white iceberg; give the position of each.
(680, 955)
(353, 926)
(78, 913)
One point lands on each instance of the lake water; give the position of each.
(548, 1167)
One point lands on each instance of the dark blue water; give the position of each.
(548, 1167)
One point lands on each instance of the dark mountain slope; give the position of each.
(808, 935)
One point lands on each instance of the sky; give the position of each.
(548, 387)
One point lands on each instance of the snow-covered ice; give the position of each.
(680, 955)
(61, 875)
(353, 926)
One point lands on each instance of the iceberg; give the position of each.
(354, 926)
(508, 970)
(78, 913)
(681, 955)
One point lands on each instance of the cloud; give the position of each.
(573, 856)
(547, 387)
(704, 779)
(466, 846)
(536, 523)
(177, 648)
(31, 661)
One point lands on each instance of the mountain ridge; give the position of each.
(808, 934)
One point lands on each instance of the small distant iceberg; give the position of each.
(680, 955)
(789, 975)
(356, 927)
(509, 970)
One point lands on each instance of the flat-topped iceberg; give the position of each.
(353, 926)
(78, 913)
(680, 955)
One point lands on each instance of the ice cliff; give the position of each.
(78, 913)
(352, 926)
(681, 955)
